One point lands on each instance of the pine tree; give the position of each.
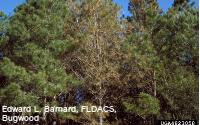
(176, 42)
(58, 52)
(140, 48)
(32, 64)
(95, 60)
(171, 53)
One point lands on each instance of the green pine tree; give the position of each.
(32, 64)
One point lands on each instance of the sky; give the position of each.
(164, 5)
(7, 6)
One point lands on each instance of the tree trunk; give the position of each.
(44, 113)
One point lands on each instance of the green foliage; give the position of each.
(39, 21)
(176, 42)
(176, 34)
(145, 13)
(139, 43)
(51, 47)
(13, 72)
(181, 89)
(59, 46)
(3, 28)
(142, 50)
(12, 95)
(145, 105)
(32, 64)
(167, 45)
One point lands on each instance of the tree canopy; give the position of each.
(71, 52)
